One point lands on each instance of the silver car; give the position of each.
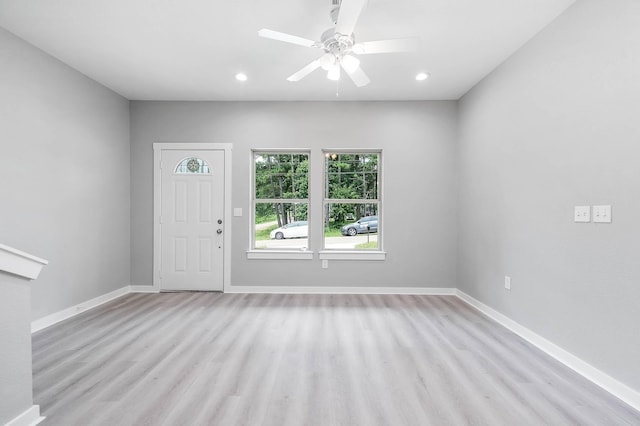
(299, 229)
(365, 225)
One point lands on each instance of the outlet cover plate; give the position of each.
(582, 214)
(602, 214)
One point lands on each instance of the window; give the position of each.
(352, 201)
(280, 201)
(192, 165)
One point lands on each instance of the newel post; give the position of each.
(17, 270)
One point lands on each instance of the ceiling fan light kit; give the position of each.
(327, 61)
(334, 73)
(338, 44)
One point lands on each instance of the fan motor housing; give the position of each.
(336, 43)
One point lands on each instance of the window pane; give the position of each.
(281, 175)
(281, 226)
(351, 176)
(351, 226)
(192, 166)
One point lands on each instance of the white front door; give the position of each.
(191, 219)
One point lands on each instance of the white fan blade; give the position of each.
(287, 38)
(359, 77)
(305, 71)
(386, 46)
(348, 17)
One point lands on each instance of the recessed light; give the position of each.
(241, 77)
(422, 76)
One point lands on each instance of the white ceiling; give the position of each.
(191, 49)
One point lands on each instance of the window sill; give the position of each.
(353, 255)
(279, 255)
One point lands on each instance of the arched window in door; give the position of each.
(192, 165)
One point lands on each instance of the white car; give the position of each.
(298, 229)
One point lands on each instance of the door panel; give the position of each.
(180, 194)
(205, 250)
(205, 202)
(180, 254)
(192, 203)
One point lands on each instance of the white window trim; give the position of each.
(347, 254)
(276, 254)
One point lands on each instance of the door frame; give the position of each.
(158, 147)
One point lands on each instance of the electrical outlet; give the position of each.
(602, 214)
(325, 263)
(507, 282)
(582, 214)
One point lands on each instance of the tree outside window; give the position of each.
(352, 200)
(281, 200)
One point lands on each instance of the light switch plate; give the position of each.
(582, 214)
(602, 214)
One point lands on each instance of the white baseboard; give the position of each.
(64, 314)
(341, 290)
(606, 382)
(28, 418)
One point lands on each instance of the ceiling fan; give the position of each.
(339, 44)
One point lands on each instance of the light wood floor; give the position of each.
(233, 359)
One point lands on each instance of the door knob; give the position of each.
(219, 231)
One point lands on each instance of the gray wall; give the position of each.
(15, 341)
(64, 176)
(553, 127)
(418, 142)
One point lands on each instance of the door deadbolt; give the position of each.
(219, 221)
